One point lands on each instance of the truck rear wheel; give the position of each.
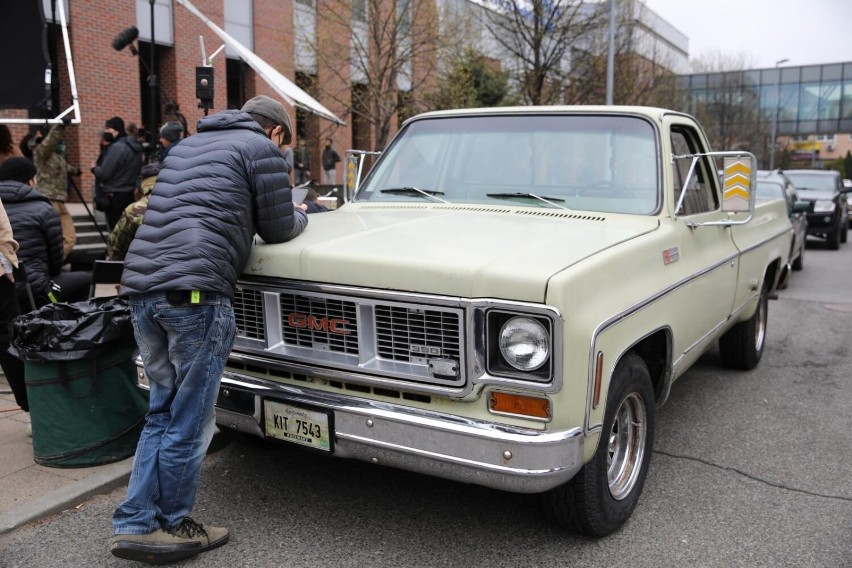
(742, 346)
(603, 494)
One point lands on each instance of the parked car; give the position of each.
(847, 183)
(775, 185)
(829, 218)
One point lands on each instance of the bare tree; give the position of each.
(643, 69)
(730, 110)
(539, 36)
(380, 53)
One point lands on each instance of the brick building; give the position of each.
(114, 82)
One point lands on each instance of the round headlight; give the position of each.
(524, 343)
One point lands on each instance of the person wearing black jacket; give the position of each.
(118, 171)
(36, 226)
(38, 230)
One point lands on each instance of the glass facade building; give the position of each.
(809, 100)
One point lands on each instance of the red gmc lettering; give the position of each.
(333, 325)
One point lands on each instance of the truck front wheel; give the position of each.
(603, 494)
(742, 346)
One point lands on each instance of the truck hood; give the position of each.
(455, 250)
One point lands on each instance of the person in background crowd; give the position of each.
(302, 163)
(36, 226)
(12, 367)
(312, 203)
(124, 231)
(180, 276)
(330, 157)
(24, 146)
(287, 153)
(118, 170)
(52, 179)
(7, 148)
(170, 134)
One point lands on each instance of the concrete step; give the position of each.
(90, 244)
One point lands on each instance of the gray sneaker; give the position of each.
(207, 537)
(158, 547)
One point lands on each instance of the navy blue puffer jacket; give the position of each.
(36, 227)
(215, 191)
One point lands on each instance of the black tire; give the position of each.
(604, 493)
(832, 239)
(800, 260)
(844, 234)
(742, 346)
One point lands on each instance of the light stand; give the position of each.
(152, 81)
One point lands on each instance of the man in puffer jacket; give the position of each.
(36, 227)
(215, 191)
(119, 170)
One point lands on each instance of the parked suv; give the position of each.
(829, 218)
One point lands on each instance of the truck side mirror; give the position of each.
(737, 182)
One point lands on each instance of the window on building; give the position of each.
(306, 2)
(359, 10)
(239, 24)
(403, 16)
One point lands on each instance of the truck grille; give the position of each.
(406, 334)
(248, 309)
(402, 340)
(321, 320)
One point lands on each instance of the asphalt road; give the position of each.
(749, 469)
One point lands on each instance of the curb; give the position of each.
(105, 480)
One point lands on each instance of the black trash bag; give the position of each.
(72, 331)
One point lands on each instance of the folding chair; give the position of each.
(106, 276)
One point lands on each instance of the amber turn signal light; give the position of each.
(510, 403)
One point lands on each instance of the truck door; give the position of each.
(708, 253)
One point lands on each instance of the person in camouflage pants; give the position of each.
(131, 217)
(52, 179)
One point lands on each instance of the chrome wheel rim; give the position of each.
(760, 328)
(626, 446)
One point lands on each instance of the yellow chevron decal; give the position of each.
(737, 167)
(738, 191)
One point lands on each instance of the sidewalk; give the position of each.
(28, 491)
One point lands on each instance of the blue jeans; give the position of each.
(184, 349)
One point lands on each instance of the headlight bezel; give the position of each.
(498, 365)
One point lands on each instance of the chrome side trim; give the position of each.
(510, 458)
(603, 326)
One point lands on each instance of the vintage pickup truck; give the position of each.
(507, 298)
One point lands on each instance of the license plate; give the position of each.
(298, 425)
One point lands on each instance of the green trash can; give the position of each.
(85, 406)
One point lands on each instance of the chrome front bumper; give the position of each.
(502, 457)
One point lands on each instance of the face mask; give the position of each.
(60, 149)
(108, 137)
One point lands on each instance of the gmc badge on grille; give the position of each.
(444, 367)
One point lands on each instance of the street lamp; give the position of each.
(775, 117)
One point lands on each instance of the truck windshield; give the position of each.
(580, 162)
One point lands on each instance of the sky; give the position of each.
(806, 32)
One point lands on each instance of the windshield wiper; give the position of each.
(411, 190)
(548, 200)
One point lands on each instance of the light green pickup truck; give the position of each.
(506, 300)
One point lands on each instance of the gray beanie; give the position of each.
(273, 110)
